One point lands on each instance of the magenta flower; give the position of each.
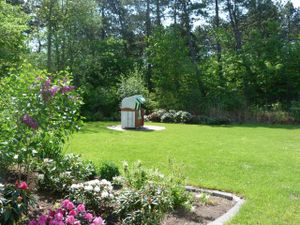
(29, 121)
(51, 213)
(81, 208)
(42, 220)
(23, 185)
(33, 222)
(59, 216)
(65, 203)
(70, 206)
(68, 214)
(70, 220)
(73, 213)
(88, 216)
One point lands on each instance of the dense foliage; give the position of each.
(215, 58)
(108, 171)
(147, 195)
(38, 112)
(14, 202)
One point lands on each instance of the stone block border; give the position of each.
(231, 212)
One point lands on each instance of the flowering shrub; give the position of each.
(14, 202)
(68, 213)
(59, 175)
(97, 195)
(170, 116)
(183, 117)
(37, 113)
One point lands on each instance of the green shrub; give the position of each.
(147, 194)
(295, 110)
(58, 175)
(108, 170)
(144, 206)
(209, 120)
(14, 202)
(132, 84)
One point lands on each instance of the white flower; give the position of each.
(41, 176)
(16, 156)
(97, 189)
(75, 186)
(104, 194)
(93, 182)
(88, 188)
(34, 152)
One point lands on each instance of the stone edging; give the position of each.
(230, 213)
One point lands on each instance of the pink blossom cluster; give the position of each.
(68, 213)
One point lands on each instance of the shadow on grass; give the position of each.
(97, 127)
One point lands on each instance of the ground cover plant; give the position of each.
(258, 162)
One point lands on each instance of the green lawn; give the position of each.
(261, 163)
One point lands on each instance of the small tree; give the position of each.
(132, 84)
(38, 112)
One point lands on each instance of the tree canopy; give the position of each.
(225, 56)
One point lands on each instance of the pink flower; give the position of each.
(33, 222)
(60, 211)
(51, 213)
(70, 206)
(88, 216)
(81, 208)
(73, 213)
(98, 221)
(23, 185)
(59, 216)
(70, 220)
(43, 220)
(65, 203)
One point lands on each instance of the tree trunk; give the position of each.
(158, 16)
(235, 24)
(218, 45)
(49, 37)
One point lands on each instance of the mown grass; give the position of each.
(261, 163)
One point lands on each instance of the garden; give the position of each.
(149, 112)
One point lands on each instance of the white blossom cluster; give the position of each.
(101, 188)
(1, 187)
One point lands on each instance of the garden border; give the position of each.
(231, 212)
